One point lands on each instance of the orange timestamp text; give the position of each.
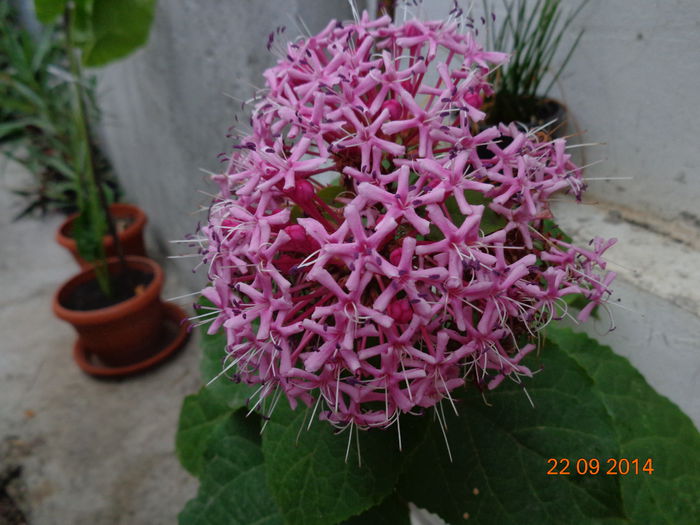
(595, 466)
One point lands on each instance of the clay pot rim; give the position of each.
(119, 209)
(563, 109)
(102, 315)
(172, 313)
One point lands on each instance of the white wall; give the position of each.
(634, 84)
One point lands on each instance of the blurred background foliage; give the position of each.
(36, 125)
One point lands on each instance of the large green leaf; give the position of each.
(118, 28)
(233, 489)
(309, 477)
(213, 350)
(48, 10)
(203, 413)
(589, 403)
(205, 417)
(647, 425)
(498, 472)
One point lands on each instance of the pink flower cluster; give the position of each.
(425, 264)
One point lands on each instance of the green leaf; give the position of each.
(48, 10)
(490, 220)
(647, 425)
(201, 415)
(309, 478)
(391, 511)
(88, 230)
(213, 353)
(233, 490)
(589, 403)
(552, 229)
(329, 193)
(500, 450)
(118, 28)
(82, 34)
(579, 301)
(8, 128)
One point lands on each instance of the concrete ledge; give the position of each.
(658, 318)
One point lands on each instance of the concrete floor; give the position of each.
(91, 451)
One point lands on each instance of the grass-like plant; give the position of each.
(96, 32)
(533, 34)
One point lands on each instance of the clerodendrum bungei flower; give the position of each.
(426, 262)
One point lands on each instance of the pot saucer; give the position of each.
(176, 333)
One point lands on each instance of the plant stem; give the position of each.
(93, 196)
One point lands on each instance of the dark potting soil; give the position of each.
(485, 153)
(125, 285)
(531, 111)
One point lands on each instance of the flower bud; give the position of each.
(395, 109)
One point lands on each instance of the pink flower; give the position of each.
(427, 265)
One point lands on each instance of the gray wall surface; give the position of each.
(166, 109)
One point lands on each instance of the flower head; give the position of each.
(424, 263)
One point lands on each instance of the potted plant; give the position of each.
(114, 304)
(531, 33)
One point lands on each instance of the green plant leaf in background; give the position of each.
(47, 11)
(118, 28)
(330, 192)
(106, 30)
(88, 230)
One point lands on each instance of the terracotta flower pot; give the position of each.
(539, 111)
(550, 110)
(122, 334)
(131, 236)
